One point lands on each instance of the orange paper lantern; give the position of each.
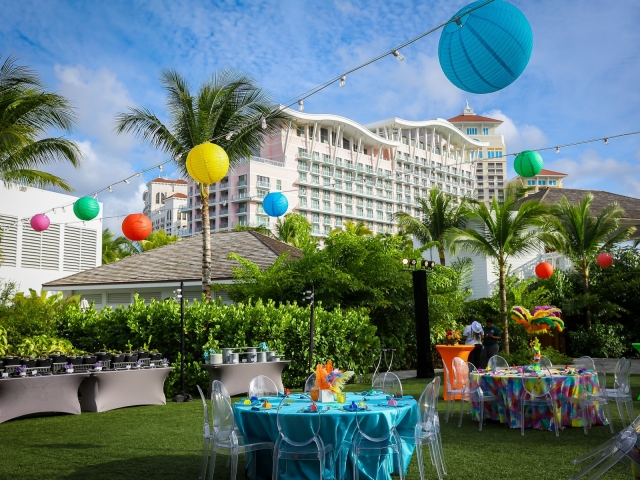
(544, 270)
(136, 227)
(605, 260)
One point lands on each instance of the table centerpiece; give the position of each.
(543, 319)
(329, 382)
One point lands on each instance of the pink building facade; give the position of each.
(332, 169)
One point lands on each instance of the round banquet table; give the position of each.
(508, 385)
(336, 428)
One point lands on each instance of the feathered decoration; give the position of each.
(328, 378)
(543, 319)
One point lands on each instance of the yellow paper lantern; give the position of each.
(207, 163)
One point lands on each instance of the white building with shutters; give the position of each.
(32, 258)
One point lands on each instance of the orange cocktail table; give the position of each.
(448, 353)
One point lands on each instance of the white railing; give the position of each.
(271, 162)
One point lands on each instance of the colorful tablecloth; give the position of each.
(337, 428)
(509, 388)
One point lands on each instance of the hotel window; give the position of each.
(531, 183)
(303, 202)
(359, 211)
(324, 135)
(359, 189)
(311, 132)
(345, 144)
(326, 195)
(326, 170)
(369, 190)
(263, 181)
(479, 153)
(369, 213)
(278, 184)
(326, 158)
(553, 183)
(542, 182)
(315, 179)
(315, 168)
(302, 177)
(472, 131)
(315, 204)
(349, 210)
(326, 206)
(300, 131)
(349, 199)
(326, 181)
(339, 208)
(485, 131)
(327, 219)
(499, 154)
(315, 217)
(338, 221)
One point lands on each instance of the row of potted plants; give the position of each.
(85, 358)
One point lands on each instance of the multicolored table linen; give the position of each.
(337, 428)
(509, 387)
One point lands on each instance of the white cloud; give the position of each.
(518, 136)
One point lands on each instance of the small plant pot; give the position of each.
(29, 362)
(89, 359)
(11, 361)
(22, 374)
(44, 362)
(104, 356)
(97, 369)
(118, 358)
(216, 359)
(69, 370)
(59, 358)
(75, 360)
(1, 363)
(156, 356)
(130, 357)
(143, 354)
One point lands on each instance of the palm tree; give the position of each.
(506, 229)
(295, 230)
(114, 248)
(359, 229)
(436, 215)
(227, 110)
(156, 239)
(27, 111)
(574, 231)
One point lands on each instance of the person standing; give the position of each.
(472, 335)
(492, 337)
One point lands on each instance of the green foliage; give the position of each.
(599, 341)
(483, 309)
(42, 345)
(114, 248)
(523, 357)
(156, 239)
(295, 230)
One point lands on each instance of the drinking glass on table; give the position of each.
(314, 393)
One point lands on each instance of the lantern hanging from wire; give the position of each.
(544, 270)
(137, 227)
(275, 204)
(528, 164)
(86, 208)
(605, 260)
(40, 222)
(207, 163)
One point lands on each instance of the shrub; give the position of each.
(601, 341)
(523, 357)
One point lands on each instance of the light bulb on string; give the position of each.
(264, 123)
(63, 210)
(95, 195)
(300, 105)
(557, 149)
(110, 189)
(398, 55)
(343, 80)
(229, 135)
(53, 211)
(138, 174)
(161, 169)
(127, 181)
(606, 141)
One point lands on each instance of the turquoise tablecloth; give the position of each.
(337, 427)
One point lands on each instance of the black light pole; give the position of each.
(421, 303)
(310, 295)
(182, 396)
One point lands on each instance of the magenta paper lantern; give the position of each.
(40, 222)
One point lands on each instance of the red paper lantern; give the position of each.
(136, 227)
(40, 222)
(605, 260)
(544, 270)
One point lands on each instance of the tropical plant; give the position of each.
(27, 111)
(228, 109)
(156, 239)
(502, 231)
(436, 214)
(295, 230)
(358, 228)
(114, 248)
(580, 234)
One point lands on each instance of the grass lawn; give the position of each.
(164, 442)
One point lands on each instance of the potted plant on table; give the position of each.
(68, 368)
(118, 357)
(44, 361)
(28, 362)
(155, 355)
(21, 371)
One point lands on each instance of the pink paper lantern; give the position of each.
(40, 222)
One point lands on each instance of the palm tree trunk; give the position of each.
(441, 254)
(503, 308)
(206, 242)
(585, 289)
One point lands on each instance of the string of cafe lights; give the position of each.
(581, 142)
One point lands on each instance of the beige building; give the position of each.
(165, 203)
(490, 161)
(545, 179)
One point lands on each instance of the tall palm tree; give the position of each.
(27, 111)
(575, 231)
(504, 230)
(295, 230)
(114, 248)
(437, 213)
(156, 239)
(226, 110)
(359, 228)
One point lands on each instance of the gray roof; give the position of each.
(182, 261)
(601, 199)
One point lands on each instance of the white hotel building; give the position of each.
(332, 169)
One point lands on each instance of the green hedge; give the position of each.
(344, 336)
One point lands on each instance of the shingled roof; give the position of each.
(183, 261)
(601, 199)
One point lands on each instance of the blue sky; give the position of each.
(581, 81)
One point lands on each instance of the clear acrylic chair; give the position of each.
(262, 386)
(591, 395)
(584, 363)
(226, 439)
(536, 391)
(300, 441)
(622, 391)
(453, 389)
(206, 436)
(370, 441)
(545, 361)
(427, 431)
(389, 383)
(472, 391)
(311, 381)
(497, 362)
(217, 386)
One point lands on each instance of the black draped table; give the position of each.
(111, 389)
(40, 394)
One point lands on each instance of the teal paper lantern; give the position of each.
(275, 204)
(486, 50)
(86, 208)
(528, 164)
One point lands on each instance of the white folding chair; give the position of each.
(262, 386)
(389, 383)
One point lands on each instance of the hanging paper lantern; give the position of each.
(86, 208)
(528, 164)
(136, 227)
(605, 260)
(40, 222)
(275, 204)
(207, 163)
(487, 49)
(544, 270)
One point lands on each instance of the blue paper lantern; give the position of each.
(275, 204)
(487, 49)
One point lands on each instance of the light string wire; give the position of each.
(581, 142)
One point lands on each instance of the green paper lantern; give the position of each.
(86, 208)
(528, 164)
